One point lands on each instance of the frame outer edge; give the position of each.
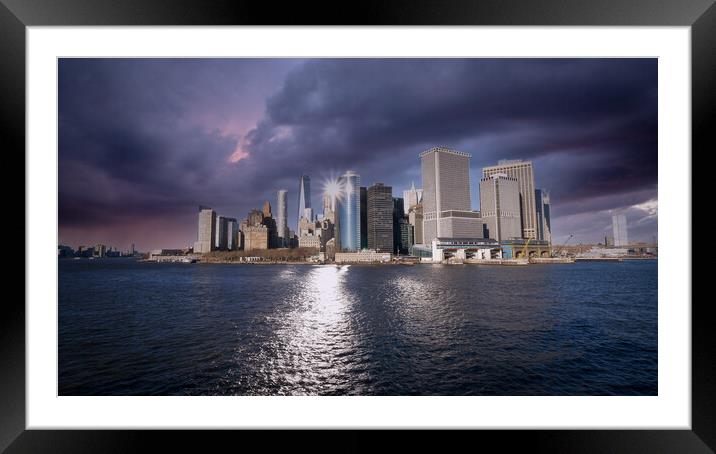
(703, 342)
(12, 320)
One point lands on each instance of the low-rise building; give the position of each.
(363, 256)
(520, 248)
(465, 248)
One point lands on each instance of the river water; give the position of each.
(139, 328)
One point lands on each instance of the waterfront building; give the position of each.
(363, 217)
(412, 197)
(221, 240)
(500, 206)
(407, 232)
(546, 215)
(524, 173)
(232, 234)
(281, 219)
(539, 213)
(256, 229)
(256, 237)
(349, 212)
(619, 227)
(597, 252)
(415, 218)
(304, 197)
(206, 235)
(64, 251)
(462, 248)
(99, 251)
(159, 254)
(446, 200)
(380, 217)
(518, 247)
(399, 218)
(363, 256)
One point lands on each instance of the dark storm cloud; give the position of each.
(590, 126)
(151, 139)
(154, 138)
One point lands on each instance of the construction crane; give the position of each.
(561, 248)
(524, 249)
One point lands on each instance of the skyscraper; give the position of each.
(546, 206)
(539, 213)
(363, 217)
(281, 218)
(380, 217)
(412, 197)
(619, 226)
(349, 212)
(522, 170)
(415, 218)
(221, 242)
(398, 221)
(256, 233)
(206, 233)
(304, 196)
(232, 234)
(447, 211)
(500, 206)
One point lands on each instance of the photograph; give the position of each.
(375, 226)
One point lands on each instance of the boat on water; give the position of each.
(504, 262)
(551, 260)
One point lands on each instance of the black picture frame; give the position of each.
(16, 15)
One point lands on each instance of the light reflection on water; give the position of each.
(136, 328)
(315, 333)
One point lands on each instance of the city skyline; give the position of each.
(138, 178)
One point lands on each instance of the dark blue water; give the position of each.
(133, 328)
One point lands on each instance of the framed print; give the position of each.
(405, 218)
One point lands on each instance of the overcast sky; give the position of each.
(143, 142)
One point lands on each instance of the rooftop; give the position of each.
(444, 150)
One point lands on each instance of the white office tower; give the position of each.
(500, 206)
(619, 226)
(281, 220)
(412, 197)
(522, 170)
(447, 211)
(206, 235)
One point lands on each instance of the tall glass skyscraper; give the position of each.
(304, 197)
(349, 212)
